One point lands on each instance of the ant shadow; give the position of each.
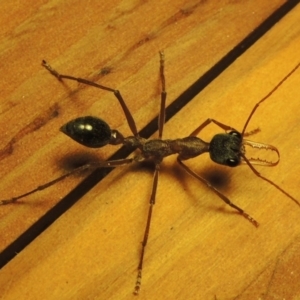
(218, 176)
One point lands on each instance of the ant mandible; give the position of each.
(225, 148)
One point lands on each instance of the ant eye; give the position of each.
(232, 162)
(236, 133)
(89, 131)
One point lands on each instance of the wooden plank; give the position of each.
(41, 105)
(92, 251)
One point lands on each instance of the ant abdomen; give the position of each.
(89, 131)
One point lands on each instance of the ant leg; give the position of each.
(111, 164)
(223, 126)
(207, 122)
(162, 112)
(268, 180)
(147, 229)
(223, 197)
(161, 122)
(117, 94)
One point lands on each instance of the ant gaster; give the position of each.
(225, 148)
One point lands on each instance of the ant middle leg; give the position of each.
(161, 122)
(147, 229)
(162, 111)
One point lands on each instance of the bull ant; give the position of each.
(225, 148)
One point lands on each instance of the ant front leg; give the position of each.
(223, 126)
(216, 191)
(89, 166)
(207, 122)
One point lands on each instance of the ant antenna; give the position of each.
(267, 96)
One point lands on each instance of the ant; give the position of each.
(225, 148)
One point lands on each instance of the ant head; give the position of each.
(89, 131)
(226, 148)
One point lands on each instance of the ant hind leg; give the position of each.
(110, 164)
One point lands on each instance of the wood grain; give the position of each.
(198, 247)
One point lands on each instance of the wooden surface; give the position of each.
(198, 247)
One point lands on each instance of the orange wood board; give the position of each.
(198, 248)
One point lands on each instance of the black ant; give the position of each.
(225, 148)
